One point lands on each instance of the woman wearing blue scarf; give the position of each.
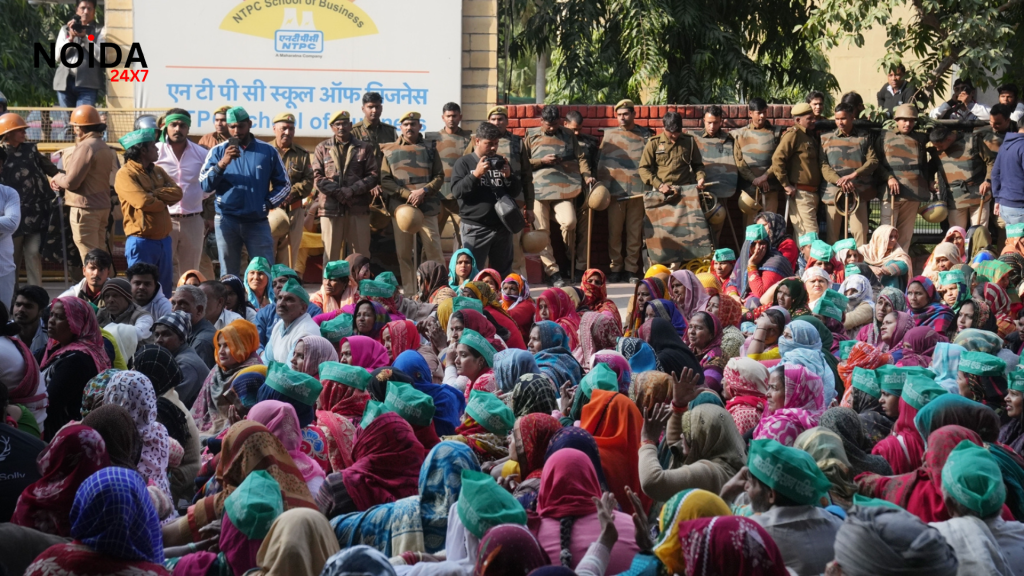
(448, 401)
(459, 272)
(550, 347)
(510, 364)
(801, 344)
(258, 289)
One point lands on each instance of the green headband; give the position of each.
(415, 407)
(338, 269)
(808, 239)
(279, 270)
(825, 307)
(374, 289)
(951, 277)
(845, 346)
(1015, 231)
(174, 118)
(236, 115)
(848, 244)
(337, 328)
(490, 412)
(137, 137)
(972, 477)
(866, 381)
(254, 505)
(725, 255)
(1016, 380)
(293, 287)
(789, 471)
(372, 411)
(981, 364)
(891, 379)
(852, 269)
(474, 340)
(464, 303)
(387, 278)
(482, 504)
(920, 390)
(821, 251)
(351, 376)
(859, 500)
(298, 386)
(756, 233)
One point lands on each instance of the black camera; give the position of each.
(495, 162)
(78, 26)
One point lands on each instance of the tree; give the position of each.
(975, 35)
(668, 51)
(21, 26)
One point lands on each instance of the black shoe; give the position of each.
(580, 273)
(614, 278)
(633, 278)
(557, 281)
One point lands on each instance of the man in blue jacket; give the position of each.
(1008, 179)
(249, 179)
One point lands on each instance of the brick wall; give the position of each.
(479, 60)
(597, 118)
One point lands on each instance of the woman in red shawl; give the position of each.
(362, 351)
(745, 384)
(999, 303)
(919, 490)
(482, 292)
(386, 467)
(531, 436)
(646, 290)
(397, 337)
(903, 448)
(72, 456)
(491, 277)
(73, 356)
(615, 423)
(729, 545)
(515, 299)
(862, 355)
(341, 405)
(918, 346)
(595, 293)
(474, 320)
(894, 329)
(556, 306)
(598, 331)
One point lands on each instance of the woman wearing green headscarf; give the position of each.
(257, 282)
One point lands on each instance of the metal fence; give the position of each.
(50, 125)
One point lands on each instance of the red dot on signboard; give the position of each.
(91, 37)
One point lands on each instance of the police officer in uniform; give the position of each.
(797, 165)
(670, 165)
(717, 149)
(412, 173)
(559, 171)
(589, 145)
(963, 170)
(517, 153)
(450, 142)
(753, 147)
(847, 164)
(907, 166)
(618, 168)
(374, 132)
(286, 220)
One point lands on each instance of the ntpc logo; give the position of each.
(72, 55)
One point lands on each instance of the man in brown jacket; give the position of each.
(86, 179)
(286, 220)
(345, 169)
(797, 165)
(145, 191)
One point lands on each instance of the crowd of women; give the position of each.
(799, 408)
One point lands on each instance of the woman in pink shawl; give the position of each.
(688, 293)
(745, 386)
(282, 421)
(362, 351)
(918, 346)
(310, 352)
(598, 331)
(894, 329)
(704, 336)
(796, 401)
(555, 305)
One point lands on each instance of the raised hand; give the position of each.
(641, 526)
(606, 506)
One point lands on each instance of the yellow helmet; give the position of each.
(534, 241)
(409, 218)
(935, 212)
(599, 198)
(749, 204)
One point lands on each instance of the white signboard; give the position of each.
(307, 57)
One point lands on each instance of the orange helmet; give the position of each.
(85, 115)
(10, 122)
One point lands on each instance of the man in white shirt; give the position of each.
(1008, 94)
(216, 298)
(182, 159)
(962, 106)
(292, 302)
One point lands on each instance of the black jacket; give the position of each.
(477, 196)
(890, 101)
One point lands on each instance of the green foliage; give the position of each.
(21, 26)
(976, 35)
(668, 51)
